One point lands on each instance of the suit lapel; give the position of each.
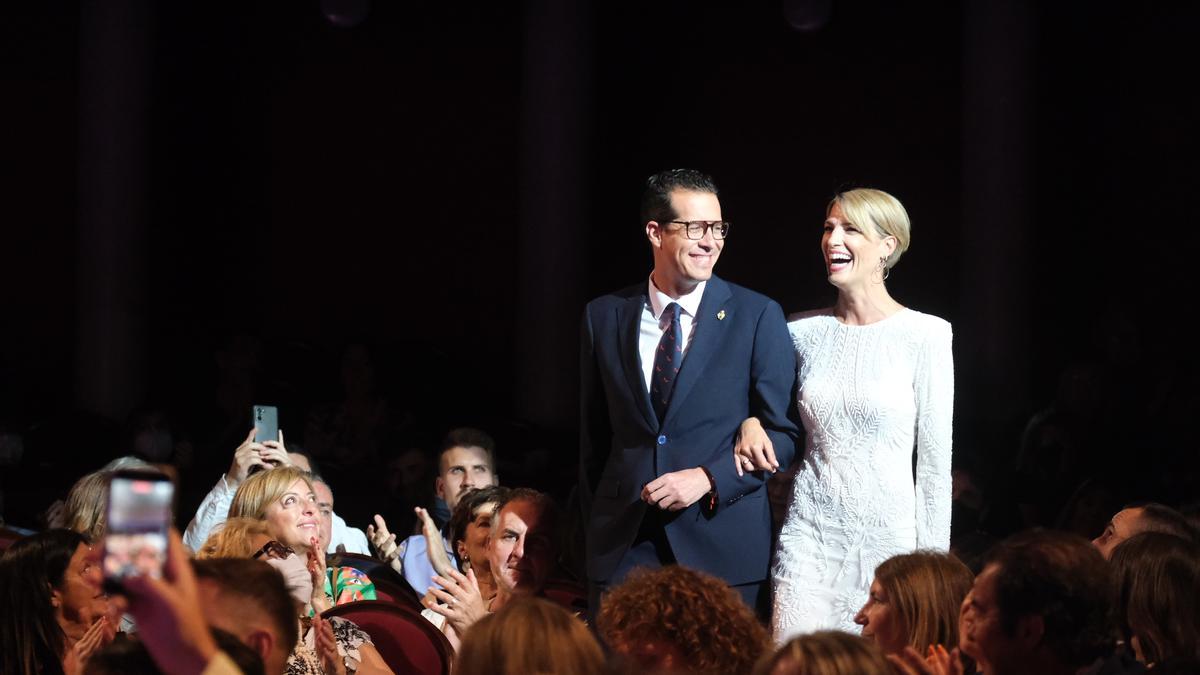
(629, 318)
(708, 336)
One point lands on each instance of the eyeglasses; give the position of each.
(695, 228)
(275, 550)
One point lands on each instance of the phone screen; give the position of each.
(139, 513)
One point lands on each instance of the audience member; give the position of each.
(1157, 597)
(678, 620)
(826, 653)
(467, 460)
(1039, 607)
(529, 635)
(131, 657)
(248, 599)
(53, 613)
(1135, 519)
(914, 602)
(470, 526)
(250, 457)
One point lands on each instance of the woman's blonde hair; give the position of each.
(529, 635)
(827, 653)
(879, 214)
(86, 507)
(262, 489)
(233, 539)
(927, 589)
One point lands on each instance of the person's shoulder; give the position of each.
(618, 297)
(809, 316)
(928, 323)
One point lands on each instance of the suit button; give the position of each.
(662, 440)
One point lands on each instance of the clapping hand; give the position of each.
(464, 603)
(938, 662)
(385, 545)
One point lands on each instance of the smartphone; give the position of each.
(266, 423)
(139, 514)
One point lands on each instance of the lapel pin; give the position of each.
(721, 315)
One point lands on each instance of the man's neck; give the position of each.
(673, 288)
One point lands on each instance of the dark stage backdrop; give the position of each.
(207, 202)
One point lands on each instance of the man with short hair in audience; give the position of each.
(1138, 518)
(248, 599)
(252, 456)
(467, 460)
(1040, 607)
(522, 550)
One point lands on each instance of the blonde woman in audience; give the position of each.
(529, 635)
(914, 602)
(283, 500)
(827, 653)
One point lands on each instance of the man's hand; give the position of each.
(753, 450)
(677, 490)
(384, 542)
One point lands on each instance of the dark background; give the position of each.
(206, 203)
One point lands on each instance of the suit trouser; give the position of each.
(652, 549)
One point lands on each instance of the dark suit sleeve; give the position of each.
(595, 432)
(772, 401)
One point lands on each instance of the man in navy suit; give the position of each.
(669, 369)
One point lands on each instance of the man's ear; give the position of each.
(654, 233)
(439, 488)
(261, 642)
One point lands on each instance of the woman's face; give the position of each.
(473, 546)
(292, 519)
(79, 600)
(881, 622)
(851, 250)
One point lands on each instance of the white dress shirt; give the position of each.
(654, 324)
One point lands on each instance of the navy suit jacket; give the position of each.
(740, 363)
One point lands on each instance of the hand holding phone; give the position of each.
(139, 515)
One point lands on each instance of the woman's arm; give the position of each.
(934, 388)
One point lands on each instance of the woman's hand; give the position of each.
(938, 662)
(331, 661)
(464, 602)
(753, 450)
(434, 547)
(96, 637)
(316, 570)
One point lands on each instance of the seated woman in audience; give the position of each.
(1157, 599)
(53, 613)
(827, 653)
(529, 635)
(914, 602)
(678, 620)
(470, 525)
(283, 500)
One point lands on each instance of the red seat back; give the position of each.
(407, 641)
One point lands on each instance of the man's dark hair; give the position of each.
(656, 200)
(1155, 517)
(544, 502)
(468, 437)
(128, 655)
(1062, 578)
(257, 583)
(468, 501)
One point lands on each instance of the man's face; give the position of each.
(462, 468)
(980, 633)
(1122, 526)
(520, 548)
(324, 512)
(681, 263)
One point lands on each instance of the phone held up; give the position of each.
(266, 423)
(139, 515)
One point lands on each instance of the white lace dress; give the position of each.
(869, 395)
